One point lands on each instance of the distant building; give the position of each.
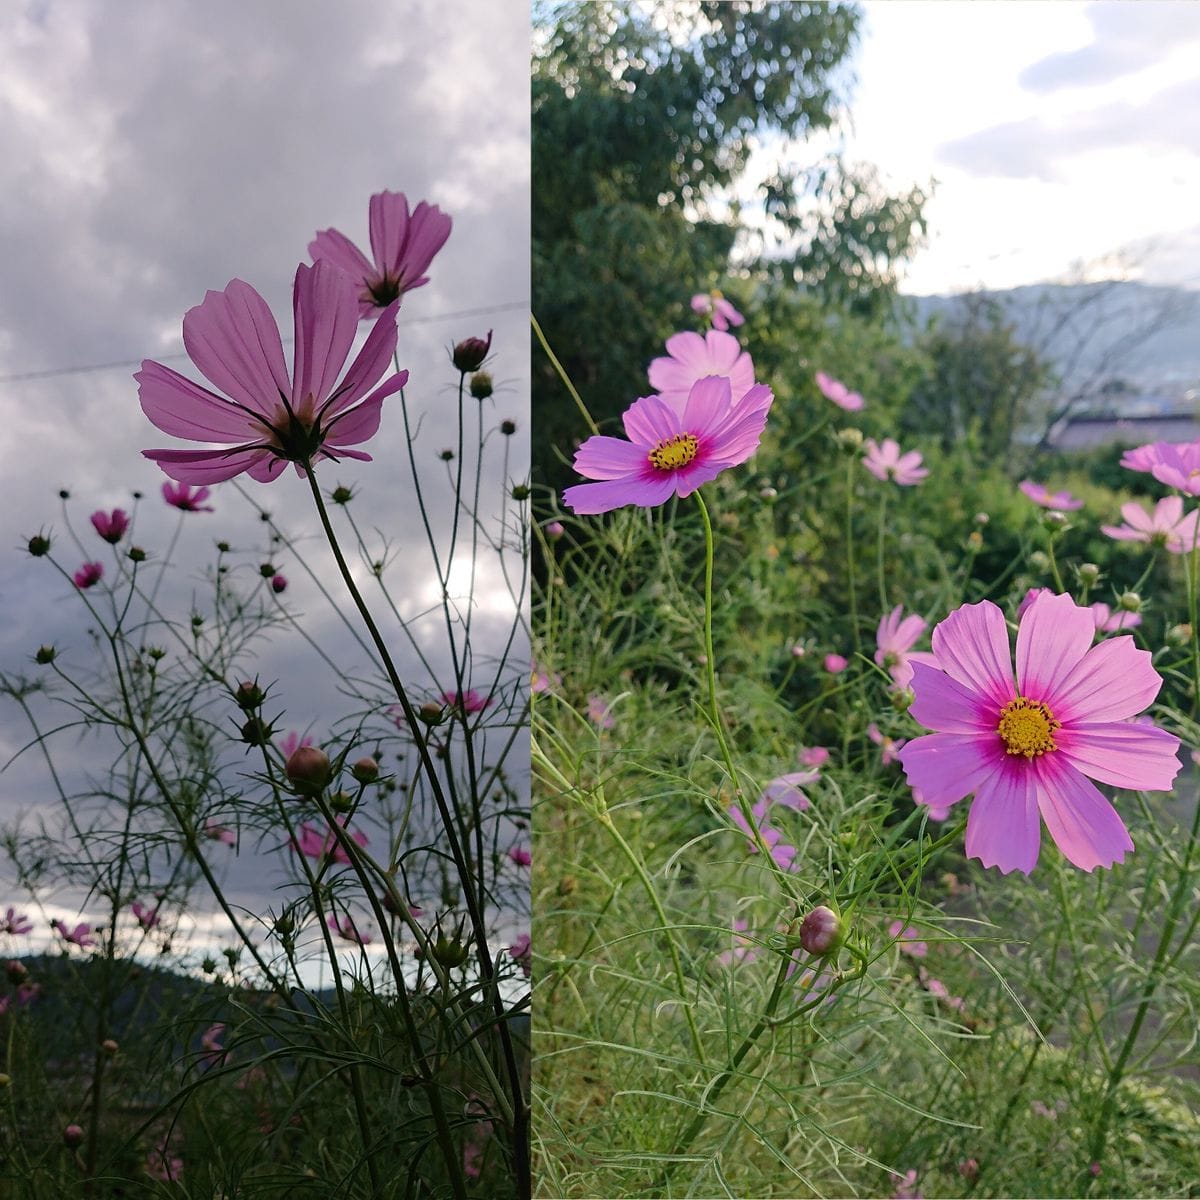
(1086, 431)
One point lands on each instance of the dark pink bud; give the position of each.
(88, 575)
(470, 352)
(279, 583)
(308, 769)
(821, 931)
(73, 1136)
(554, 530)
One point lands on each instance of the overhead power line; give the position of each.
(85, 368)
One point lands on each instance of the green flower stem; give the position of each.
(883, 604)
(850, 583)
(562, 374)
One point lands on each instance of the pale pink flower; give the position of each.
(743, 948)
(15, 922)
(218, 833)
(521, 856)
(936, 988)
(88, 575)
(163, 1165)
(1177, 464)
(598, 711)
(1056, 501)
(521, 953)
(909, 939)
(1034, 745)
(185, 498)
(888, 746)
(906, 1186)
(80, 936)
(272, 419)
(669, 453)
(838, 392)
(785, 790)
(346, 929)
(111, 526)
(292, 741)
(1166, 526)
(812, 756)
(313, 845)
(894, 640)
(781, 852)
(936, 812)
(215, 1053)
(692, 357)
(1143, 458)
(1108, 621)
(835, 664)
(886, 462)
(544, 681)
(147, 918)
(470, 704)
(715, 305)
(403, 244)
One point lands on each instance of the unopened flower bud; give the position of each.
(768, 494)
(5, 1080)
(278, 583)
(73, 1136)
(450, 952)
(1089, 574)
(469, 354)
(341, 495)
(39, 544)
(308, 769)
(45, 654)
(1129, 602)
(1039, 560)
(137, 554)
(481, 385)
(366, 770)
(1056, 522)
(821, 931)
(850, 439)
(798, 651)
(1179, 635)
(209, 965)
(16, 971)
(553, 530)
(902, 699)
(109, 1046)
(431, 712)
(981, 518)
(975, 540)
(256, 732)
(249, 695)
(446, 455)
(341, 802)
(223, 547)
(508, 428)
(267, 570)
(520, 491)
(284, 924)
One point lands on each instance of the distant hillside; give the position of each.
(1146, 336)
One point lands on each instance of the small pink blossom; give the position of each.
(888, 746)
(715, 305)
(1030, 596)
(1108, 621)
(521, 953)
(544, 681)
(669, 453)
(554, 530)
(599, 712)
(218, 833)
(521, 856)
(1056, 501)
(1166, 526)
(835, 664)
(147, 918)
(785, 790)
(743, 948)
(313, 845)
(908, 937)
(838, 392)
(15, 922)
(111, 526)
(1143, 458)
(279, 583)
(292, 741)
(968, 1168)
(894, 640)
(80, 936)
(812, 756)
(88, 575)
(906, 1186)
(403, 244)
(1029, 747)
(886, 462)
(692, 357)
(185, 498)
(935, 812)
(1177, 464)
(346, 929)
(215, 1053)
(470, 704)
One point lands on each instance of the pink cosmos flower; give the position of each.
(937, 812)
(692, 357)
(271, 420)
(835, 664)
(1029, 597)
(80, 936)
(346, 929)
(838, 392)
(312, 845)
(291, 742)
(893, 645)
(88, 575)
(1166, 526)
(906, 1187)
(544, 681)
(218, 833)
(1034, 744)
(936, 988)
(1143, 458)
(521, 954)
(888, 746)
(1056, 502)
(215, 1054)
(669, 453)
(785, 790)
(743, 949)
(111, 526)
(886, 462)
(1177, 464)
(185, 498)
(163, 1165)
(598, 712)
(403, 244)
(15, 923)
(1108, 621)
(471, 703)
(715, 305)
(909, 939)
(812, 756)
(520, 856)
(782, 853)
(147, 918)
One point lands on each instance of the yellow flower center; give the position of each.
(675, 453)
(1027, 727)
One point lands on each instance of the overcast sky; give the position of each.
(155, 151)
(1057, 133)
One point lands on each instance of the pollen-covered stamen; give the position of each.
(1027, 727)
(676, 452)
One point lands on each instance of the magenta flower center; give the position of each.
(675, 453)
(1027, 727)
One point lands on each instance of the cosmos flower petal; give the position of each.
(355, 424)
(945, 705)
(1003, 829)
(371, 362)
(945, 767)
(338, 249)
(232, 338)
(207, 466)
(326, 315)
(708, 403)
(1124, 754)
(185, 409)
(587, 499)
(1053, 637)
(971, 646)
(602, 457)
(1083, 824)
(1112, 682)
(650, 420)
